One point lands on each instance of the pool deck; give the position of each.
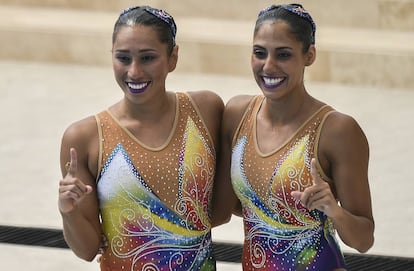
(38, 101)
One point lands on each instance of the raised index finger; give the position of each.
(316, 178)
(73, 167)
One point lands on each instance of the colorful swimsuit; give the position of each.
(155, 203)
(280, 233)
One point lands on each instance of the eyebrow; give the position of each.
(277, 48)
(140, 51)
(284, 48)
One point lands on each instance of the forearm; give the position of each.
(355, 231)
(81, 235)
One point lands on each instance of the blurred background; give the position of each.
(55, 68)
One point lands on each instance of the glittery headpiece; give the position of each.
(159, 13)
(296, 9)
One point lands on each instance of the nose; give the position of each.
(135, 70)
(270, 64)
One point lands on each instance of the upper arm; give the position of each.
(344, 155)
(83, 136)
(225, 201)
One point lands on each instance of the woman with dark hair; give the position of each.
(141, 172)
(298, 168)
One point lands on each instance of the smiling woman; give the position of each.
(294, 168)
(137, 177)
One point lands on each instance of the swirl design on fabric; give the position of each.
(279, 231)
(145, 234)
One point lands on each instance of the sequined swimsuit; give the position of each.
(280, 233)
(154, 203)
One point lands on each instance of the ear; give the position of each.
(173, 58)
(310, 55)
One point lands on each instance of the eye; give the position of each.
(283, 55)
(125, 59)
(147, 58)
(259, 53)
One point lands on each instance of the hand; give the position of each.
(318, 196)
(72, 189)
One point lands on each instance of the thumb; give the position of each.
(88, 188)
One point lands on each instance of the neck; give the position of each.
(287, 110)
(150, 111)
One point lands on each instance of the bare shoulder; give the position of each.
(342, 125)
(81, 130)
(239, 103)
(207, 98)
(83, 136)
(210, 105)
(236, 107)
(342, 139)
(233, 114)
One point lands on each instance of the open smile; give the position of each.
(137, 87)
(272, 82)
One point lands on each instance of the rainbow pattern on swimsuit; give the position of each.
(142, 231)
(280, 233)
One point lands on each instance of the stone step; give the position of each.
(345, 55)
(374, 14)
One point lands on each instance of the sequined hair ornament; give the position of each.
(296, 9)
(160, 14)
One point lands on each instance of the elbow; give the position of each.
(220, 220)
(226, 219)
(84, 253)
(363, 247)
(221, 214)
(369, 241)
(88, 256)
(84, 244)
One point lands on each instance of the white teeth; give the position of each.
(137, 86)
(272, 81)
